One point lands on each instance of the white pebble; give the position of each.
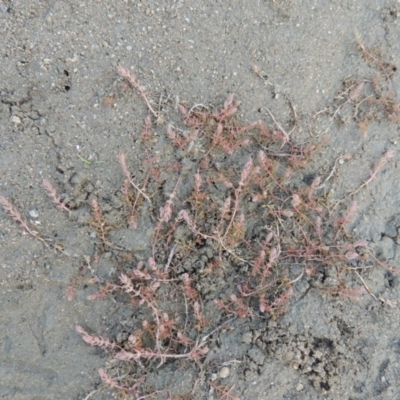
(299, 387)
(33, 213)
(16, 120)
(224, 372)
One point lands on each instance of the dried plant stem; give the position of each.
(197, 351)
(206, 337)
(257, 71)
(185, 216)
(333, 169)
(100, 223)
(380, 164)
(135, 83)
(13, 212)
(238, 191)
(346, 219)
(287, 135)
(125, 169)
(225, 393)
(369, 56)
(90, 394)
(53, 194)
(139, 190)
(377, 298)
(170, 257)
(165, 214)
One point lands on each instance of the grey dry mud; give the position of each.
(61, 104)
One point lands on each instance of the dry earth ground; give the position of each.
(61, 103)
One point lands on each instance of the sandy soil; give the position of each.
(66, 115)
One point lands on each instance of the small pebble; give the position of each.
(33, 213)
(16, 120)
(299, 387)
(224, 372)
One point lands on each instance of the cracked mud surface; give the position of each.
(66, 116)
